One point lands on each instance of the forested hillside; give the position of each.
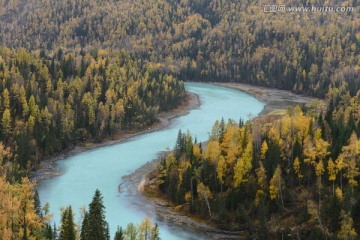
(289, 177)
(205, 40)
(47, 104)
(75, 70)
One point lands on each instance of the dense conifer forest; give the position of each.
(76, 70)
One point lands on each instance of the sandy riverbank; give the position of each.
(144, 179)
(48, 168)
(276, 101)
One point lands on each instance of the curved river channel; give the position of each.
(104, 167)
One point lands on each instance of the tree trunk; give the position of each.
(281, 196)
(192, 195)
(319, 195)
(207, 201)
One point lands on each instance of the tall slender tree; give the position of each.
(119, 234)
(96, 228)
(67, 231)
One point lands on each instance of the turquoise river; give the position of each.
(104, 167)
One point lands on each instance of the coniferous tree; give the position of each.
(97, 228)
(67, 231)
(119, 234)
(155, 232)
(48, 232)
(37, 203)
(84, 227)
(55, 233)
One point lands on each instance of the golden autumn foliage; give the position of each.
(243, 166)
(275, 184)
(64, 81)
(49, 103)
(17, 211)
(293, 171)
(347, 230)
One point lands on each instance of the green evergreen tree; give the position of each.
(48, 232)
(38, 204)
(55, 234)
(179, 146)
(67, 231)
(119, 234)
(84, 227)
(97, 227)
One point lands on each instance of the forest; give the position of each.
(23, 217)
(78, 70)
(48, 104)
(51, 103)
(202, 40)
(275, 177)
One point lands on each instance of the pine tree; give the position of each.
(84, 227)
(97, 227)
(48, 232)
(38, 204)
(179, 147)
(119, 234)
(55, 233)
(67, 231)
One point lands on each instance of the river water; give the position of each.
(104, 167)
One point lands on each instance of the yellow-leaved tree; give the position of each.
(347, 230)
(230, 143)
(18, 218)
(205, 193)
(275, 187)
(297, 169)
(262, 182)
(332, 172)
(243, 166)
(220, 171)
(264, 150)
(349, 160)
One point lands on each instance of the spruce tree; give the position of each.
(55, 235)
(48, 232)
(179, 146)
(84, 227)
(97, 228)
(37, 204)
(119, 234)
(67, 231)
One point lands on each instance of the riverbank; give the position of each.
(48, 169)
(145, 179)
(276, 101)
